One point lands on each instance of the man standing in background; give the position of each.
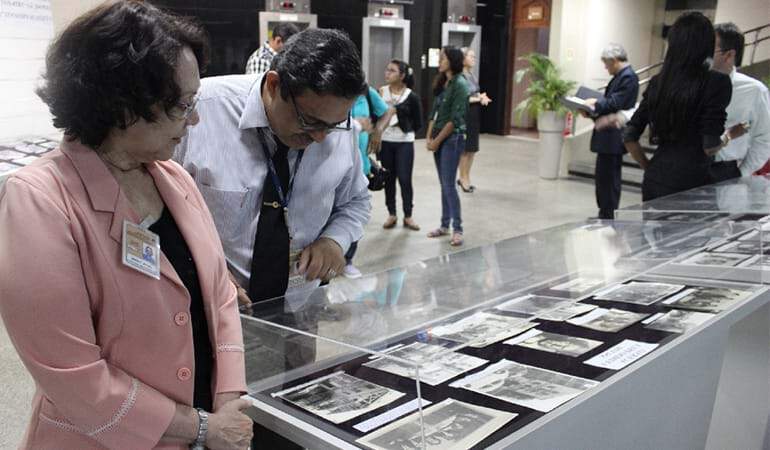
(607, 143)
(746, 141)
(259, 61)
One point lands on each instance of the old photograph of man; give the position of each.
(708, 299)
(449, 425)
(608, 320)
(339, 397)
(640, 293)
(482, 329)
(560, 344)
(436, 364)
(680, 321)
(528, 386)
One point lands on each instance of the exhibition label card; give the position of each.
(621, 355)
(390, 415)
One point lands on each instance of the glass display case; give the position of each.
(490, 346)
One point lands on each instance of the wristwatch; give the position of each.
(203, 428)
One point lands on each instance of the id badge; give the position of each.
(141, 249)
(295, 278)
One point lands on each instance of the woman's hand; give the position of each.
(433, 145)
(484, 99)
(229, 427)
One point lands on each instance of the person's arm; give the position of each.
(428, 139)
(634, 129)
(457, 102)
(384, 113)
(621, 98)
(711, 124)
(759, 136)
(415, 111)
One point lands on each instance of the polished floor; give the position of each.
(509, 200)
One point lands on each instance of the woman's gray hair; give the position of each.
(615, 51)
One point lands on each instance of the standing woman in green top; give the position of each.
(446, 137)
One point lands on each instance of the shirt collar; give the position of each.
(267, 47)
(254, 115)
(732, 74)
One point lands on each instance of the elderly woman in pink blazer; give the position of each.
(113, 284)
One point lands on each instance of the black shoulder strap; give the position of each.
(372, 116)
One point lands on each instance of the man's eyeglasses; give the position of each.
(318, 125)
(184, 110)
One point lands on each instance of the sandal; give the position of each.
(457, 239)
(410, 224)
(390, 222)
(468, 189)
(438, 232)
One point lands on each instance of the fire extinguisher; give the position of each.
(568, 124)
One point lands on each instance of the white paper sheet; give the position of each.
(621, 355)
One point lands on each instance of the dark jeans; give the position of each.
(447, 158)
(351, 253)
(607, 177)
(398, 159)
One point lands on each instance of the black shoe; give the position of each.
(468, 189)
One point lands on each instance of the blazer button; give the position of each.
(183, 374)
(181, 318)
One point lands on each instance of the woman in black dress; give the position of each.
(685, 108)
(476, 100)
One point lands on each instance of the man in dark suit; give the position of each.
(607, 143)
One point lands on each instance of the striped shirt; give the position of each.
(260, 60)
(224, 155)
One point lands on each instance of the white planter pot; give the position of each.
(551, 128)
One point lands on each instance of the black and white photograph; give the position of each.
(436, 364)
(533, 305)
(715, 259)
(679, 321)
(608, 320)
(339, 397)
(482, 329)
(708, 299)
(753, 247)
(528, 386)
(561, 344)
(638, 292)
(567, 311)
(449, 425)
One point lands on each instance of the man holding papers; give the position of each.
(607, 143)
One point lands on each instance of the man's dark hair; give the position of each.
(324, 61)
(731, 38)
(113, 64)
(285, 30)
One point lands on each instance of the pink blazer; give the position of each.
(110, 349)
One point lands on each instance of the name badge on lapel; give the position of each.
(141, 249)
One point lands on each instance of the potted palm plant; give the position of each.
(545, 90)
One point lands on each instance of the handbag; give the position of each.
(377, 176)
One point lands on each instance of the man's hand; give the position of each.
(243, 296)
(614, 120)
(737, 131)
(591, 102)
(323, 259)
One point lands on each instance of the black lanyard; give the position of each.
(283, 199)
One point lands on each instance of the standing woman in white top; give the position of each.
(473, 121)
(397, 153)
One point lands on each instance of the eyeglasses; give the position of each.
(318, 125)
(184, 110)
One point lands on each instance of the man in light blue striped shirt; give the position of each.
(307, 94)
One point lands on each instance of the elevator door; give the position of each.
(383, 41)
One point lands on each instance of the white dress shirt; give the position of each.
(223, 154)
(750, 103)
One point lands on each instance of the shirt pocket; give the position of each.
(232, 210)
